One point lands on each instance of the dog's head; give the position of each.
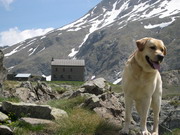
(152, 51)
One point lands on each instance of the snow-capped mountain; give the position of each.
(104, 37)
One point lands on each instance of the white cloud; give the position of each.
(14, 35)
(6, 3)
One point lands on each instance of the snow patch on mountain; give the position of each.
(32, 41)
(33, 50)
(13, 51)
(73, 53)
(19, 48)
(145, 10)
(93, 77)
(30, 49)
(117, 81)
(171, 8)
(161, 25)
(84, 40)
(166, 8)
(75, 24)
(110, 16)
(42, 49)
(75, 29)
(59, 34)
(10, 68)
(42, 37)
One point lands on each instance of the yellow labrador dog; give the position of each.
(142, 83)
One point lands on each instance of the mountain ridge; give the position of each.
(104, 37)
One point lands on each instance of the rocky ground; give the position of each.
(99, 98)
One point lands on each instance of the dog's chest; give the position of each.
(142, 84)
(143, 78)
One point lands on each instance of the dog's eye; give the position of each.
(162, 50)
(153, 47)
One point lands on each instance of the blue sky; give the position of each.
(21, 19)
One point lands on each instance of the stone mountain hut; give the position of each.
(67, 70)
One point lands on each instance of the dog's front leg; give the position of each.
(156, 104)
(144, 104)
(128, 107)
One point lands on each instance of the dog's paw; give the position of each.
(155, 133)
(145, 133)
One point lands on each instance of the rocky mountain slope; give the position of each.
(104, 37)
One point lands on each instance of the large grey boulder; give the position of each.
(58, 113)
(33, 110)
(97, 86)
(22, 93)
(5, 130)
(107, 106)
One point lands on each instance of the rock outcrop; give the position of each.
(101, 99)
(98, 98)
(97, 86)
(26, 92)
(110, 106)
(33, 110)
(29, 113)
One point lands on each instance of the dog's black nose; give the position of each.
(160, 57)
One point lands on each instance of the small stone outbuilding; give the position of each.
(23, 77)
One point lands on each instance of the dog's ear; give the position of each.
(141, 43)
(165, 50)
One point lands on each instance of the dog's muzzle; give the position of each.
(160, 57)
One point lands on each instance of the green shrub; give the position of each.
(84, 122)
(12, 99)
(23, 128)
(21, 131)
